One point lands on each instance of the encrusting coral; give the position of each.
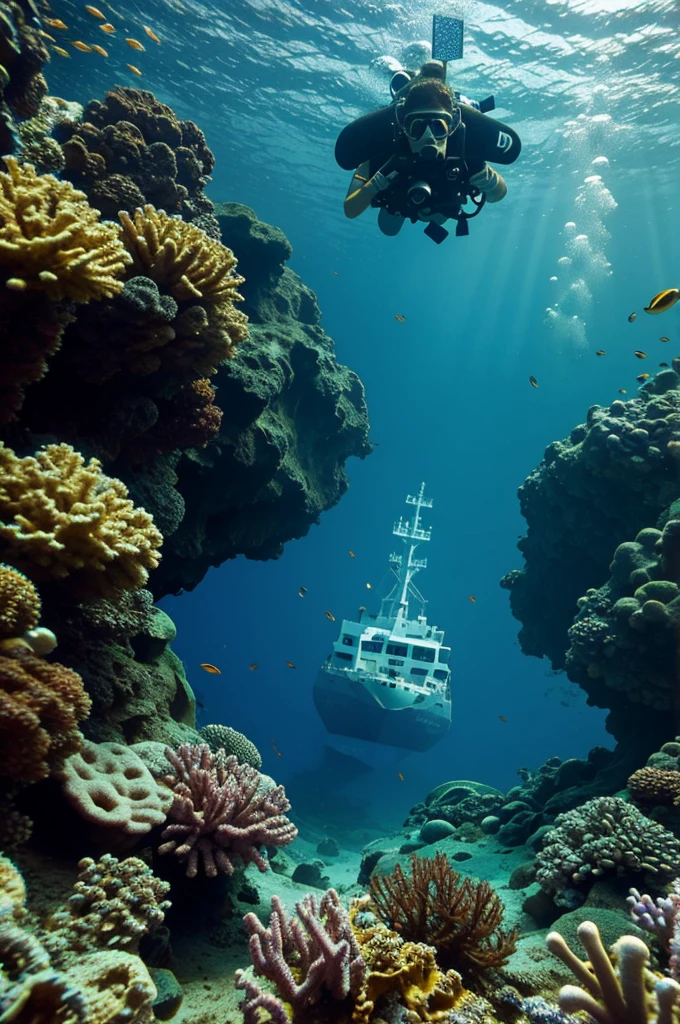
(655, 786)
(222, 811)
(52, 240)
(461, 919)
(62, 518)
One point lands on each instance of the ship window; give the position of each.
(348, 641)
(371, 645)
(440, 673)
(418, 671)
(395, 661)
(341, 656)
(423, 653)
(444, 655)
(430, 685)
(400, 650)
(393, 686)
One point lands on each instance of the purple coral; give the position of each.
(222, 810)
(305, 957)
(662, 920)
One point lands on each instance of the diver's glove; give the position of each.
(383, 178)
(490, 183)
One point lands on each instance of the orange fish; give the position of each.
(95, 12)
(253, 666)
(61, 51)
(212, 669)
(302, 591)
(640, 354)
(134, 44)
(503, 718)
(47, 36)
(151, 34)
(134, 70)
(100, 50)
(471, 597)
(108, 27)
(275, 748)
(351, 554)
(642, 377)
(290, 664)
(400, 317)
(330, 616)
(83, 47)
(400, 776)
(54, 23)
(663, 301)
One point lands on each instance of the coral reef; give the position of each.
(222, 810)
(223, 737)
(19, 603)
(110, 786)
(461, 919)
(655, 786)
(22, 85)
(62, 518)
(604, 835)
(611, 478)
(52, 240)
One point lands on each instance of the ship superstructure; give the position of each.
(387, 679)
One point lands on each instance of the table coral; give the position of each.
(222, 811)
(19, 603)
(41, 704)
(52, 240)
(62, 518)
(110, 786)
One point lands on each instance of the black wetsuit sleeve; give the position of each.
(487, 139)
(365, 138)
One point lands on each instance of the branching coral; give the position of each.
(41, 703)
(222, 810)
(52, 240)
(460, 919)
(631, 996)
(61, 518)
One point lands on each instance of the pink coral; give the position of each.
(222, 810)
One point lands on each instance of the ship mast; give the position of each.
(405, 566)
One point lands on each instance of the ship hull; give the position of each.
(347, 708)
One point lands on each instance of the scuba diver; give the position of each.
(424, 155)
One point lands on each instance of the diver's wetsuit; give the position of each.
(374, 139)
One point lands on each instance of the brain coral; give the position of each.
(61, 518)
(223, 737)
(41, 703)
(19, 603)
(52, 240)
(612, 477)
(604, 835)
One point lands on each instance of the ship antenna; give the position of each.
(405, 565)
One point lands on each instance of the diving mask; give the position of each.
(427, 131)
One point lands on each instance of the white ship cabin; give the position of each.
(401, 654)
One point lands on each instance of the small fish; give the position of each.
(134, 44)
(151, 34)
(640, 354)
(362, 608)
(47, 36)
(351, 554)
(253, 665)
(302, 591)
(100, 50)
(83, 47)
(400, 317)
(213, 670)
(290, 664)
(663, 301)
(275, 749)
(502, 718)
(55, 23)
(134, 70)
(533, 382)
(61, 51)
(401, 776)
(108, 27)
(622, 391)
(471, 597)
(200, 704)
(369, 586)
(600, 352)
(663, 364)
(641, 377)
(632, 317)
(335, 273)
(95, 12)
(664, 338)
(330, 616)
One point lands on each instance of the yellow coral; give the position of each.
(52, 240)
(19, 603)
(180, 256)
(12, 890)
(62, 518)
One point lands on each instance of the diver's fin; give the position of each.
(447, 38)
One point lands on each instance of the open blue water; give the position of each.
(593, 88)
